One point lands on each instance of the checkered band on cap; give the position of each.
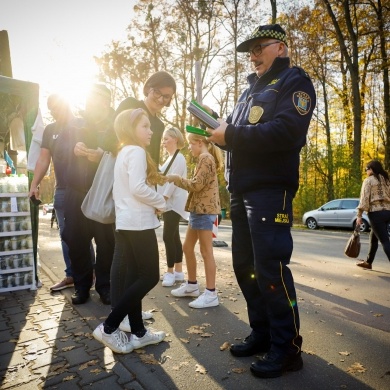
(269, 34)
(268, 31)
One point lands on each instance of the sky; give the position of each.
(52, 42)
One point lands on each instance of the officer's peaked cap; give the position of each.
(266, 31)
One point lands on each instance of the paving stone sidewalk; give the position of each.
(45, 343)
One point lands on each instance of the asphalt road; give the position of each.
(344, 310)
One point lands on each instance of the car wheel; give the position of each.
(363, 226)
(311, 223)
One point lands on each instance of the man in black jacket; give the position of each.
(263, 138)
(88, 145)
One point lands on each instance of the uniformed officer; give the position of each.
(263, 138)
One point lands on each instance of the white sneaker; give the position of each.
(168, 279)
(149, 338)
(179, 276)
(147, 315)
(125, 324)
(207, 299)
(116, 341)
(186, 290)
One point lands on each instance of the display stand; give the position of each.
(17, 265)
(21, 98)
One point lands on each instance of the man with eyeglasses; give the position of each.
(263, 138)
(158, 91)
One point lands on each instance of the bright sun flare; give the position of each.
(66, 75)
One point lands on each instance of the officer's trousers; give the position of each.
(78, 233)
(261, 248)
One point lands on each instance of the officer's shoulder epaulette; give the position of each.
(302, 72)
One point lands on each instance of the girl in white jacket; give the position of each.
(135, 267)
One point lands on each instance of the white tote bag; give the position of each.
(98, 204)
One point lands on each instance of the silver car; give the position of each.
(336, 213)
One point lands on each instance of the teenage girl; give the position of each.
(204, 206)
(176, 198)
(135, 267)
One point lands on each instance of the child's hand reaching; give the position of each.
(173, 178)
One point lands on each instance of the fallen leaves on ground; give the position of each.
(65, 349)
(183, 340)
(87, 364)
(182, 364)
(69, 378)
(199, 330)
(58, 369)
(356, 367)
(148, 359)
(346, 353)
(378, 315)
(224, 346)
(199, 368)
(194, 330)
(238, 370)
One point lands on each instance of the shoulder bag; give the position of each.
(98, 204)
(352, 249)
(171, 162)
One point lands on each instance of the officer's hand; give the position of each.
(95, 155)
(80, 149)
(218, 134)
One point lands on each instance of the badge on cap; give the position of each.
(302, 102)
(255, 114)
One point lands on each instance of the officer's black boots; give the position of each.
(279, 359)
(250, 346)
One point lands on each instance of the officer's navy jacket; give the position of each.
(268, 128)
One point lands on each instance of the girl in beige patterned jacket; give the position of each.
(204, 206)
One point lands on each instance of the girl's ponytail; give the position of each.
(216, 153)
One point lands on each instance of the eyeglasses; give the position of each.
(258, 49)
(157, 94)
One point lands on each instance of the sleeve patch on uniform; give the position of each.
(302, 102)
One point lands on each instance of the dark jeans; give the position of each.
(78, 233)
(134, 272)
(171, 237)
(59, 196)
(261, 248)
(379, 221)
(373, 247)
